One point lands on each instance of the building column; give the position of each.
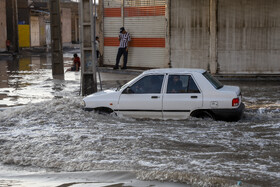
(213, 61)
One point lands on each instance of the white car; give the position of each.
(170, 94)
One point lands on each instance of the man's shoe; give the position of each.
(115, 67)
(124, 68)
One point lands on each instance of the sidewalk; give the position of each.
(69, 48)
(221, 77)
(119, 71)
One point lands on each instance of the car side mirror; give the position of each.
(128, 90)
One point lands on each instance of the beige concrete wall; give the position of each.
(189, 33)
(42, 30)
(249, 36)
(75, 18)
(3, 25)
(66, 25)
(34, 31)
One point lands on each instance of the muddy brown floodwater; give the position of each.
(44, 130)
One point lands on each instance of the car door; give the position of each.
(143, 99)
(182, 96)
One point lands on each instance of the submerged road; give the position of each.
(50, 133)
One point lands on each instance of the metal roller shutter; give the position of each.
(35, 32)
(189, 33)
(112, 23)
(145, 21)
(248, 37)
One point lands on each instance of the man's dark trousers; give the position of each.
(121, 51)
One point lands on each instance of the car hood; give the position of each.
(101, 93)
(226, 88)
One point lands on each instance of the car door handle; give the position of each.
(193, 96)
(155, 97)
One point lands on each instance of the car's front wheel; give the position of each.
(103, 110)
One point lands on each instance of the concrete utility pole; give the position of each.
(56, 39)
(87, 36)
(12, 24)
(101, 30)
(15, 26)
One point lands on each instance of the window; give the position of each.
(216, 83)
(192, 88)
(181, 84)
(148, 84)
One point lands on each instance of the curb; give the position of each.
(222, 77)
(119, 71)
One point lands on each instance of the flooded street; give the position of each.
(44, 130)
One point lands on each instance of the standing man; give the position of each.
(97, 46)
(124, 38)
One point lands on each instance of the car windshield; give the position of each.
(215, 82)
(125, 85)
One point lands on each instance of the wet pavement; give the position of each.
(27, 78)
(44, 130)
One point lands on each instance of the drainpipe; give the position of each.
(168, 33)
(213, 37)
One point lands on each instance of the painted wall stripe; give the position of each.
(144, 11)
(135, 11)
(137, 42)
(112, 12)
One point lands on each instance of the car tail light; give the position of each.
(235, 102)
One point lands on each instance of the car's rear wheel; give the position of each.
(207, 115)
(204, 114)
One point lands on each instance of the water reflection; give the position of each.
(12, 64)
(3, 74)
(3, 79)
(28, 78)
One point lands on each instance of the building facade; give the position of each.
(29, 20)
(223, 36)
(146, 23)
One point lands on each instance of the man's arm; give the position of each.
(129, 39)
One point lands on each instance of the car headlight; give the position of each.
(84, 104)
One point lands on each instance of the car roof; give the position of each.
(174, 70)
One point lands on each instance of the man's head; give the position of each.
(75, 55)
(176, 78)
(122, 30)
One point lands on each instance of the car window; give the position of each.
(147, 84)
(192, 87)
(215, 82)
(181, 84)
